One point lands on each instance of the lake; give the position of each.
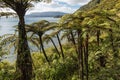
(6, 24)
(7, 27)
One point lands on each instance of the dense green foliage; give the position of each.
(66, 69)
(91, 48)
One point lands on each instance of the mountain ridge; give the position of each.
(47, 14)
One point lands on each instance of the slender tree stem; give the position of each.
(42, 47)
(80, 55)
(98, 37)
(55, 46)
(60, 45)
(86, 55)
(73, 41)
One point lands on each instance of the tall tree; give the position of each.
(39, 28)
(24, 60)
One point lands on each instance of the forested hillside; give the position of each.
(88, 46)
(90, 5)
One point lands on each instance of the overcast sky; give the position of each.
(68, 6)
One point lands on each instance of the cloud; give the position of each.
(53, 6)
(74, 2)
(68, 6)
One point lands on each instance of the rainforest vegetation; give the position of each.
(90, 51)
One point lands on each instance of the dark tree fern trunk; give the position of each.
(86, 56)
(24, 60)
(60, 45)
(80, 56)
(98, 37)
(42, 47)
(73, 41)
(55, 46)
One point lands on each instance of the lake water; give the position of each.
(6, 24)
(7, 27)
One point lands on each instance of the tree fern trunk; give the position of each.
(42, 47)
(86, 56)
(80, 56)
(24, 60)
(98, 37)
(60, 45)
(55, 46)
(73, 41)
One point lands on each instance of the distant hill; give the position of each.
(46, 14)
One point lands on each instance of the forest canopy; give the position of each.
(87, 49)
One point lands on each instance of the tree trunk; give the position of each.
(80, 56)
(60, 45)
(24, 60)
(73, 41)
(98, 37)
(42, 47)
(86, 56)
(55, 46)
